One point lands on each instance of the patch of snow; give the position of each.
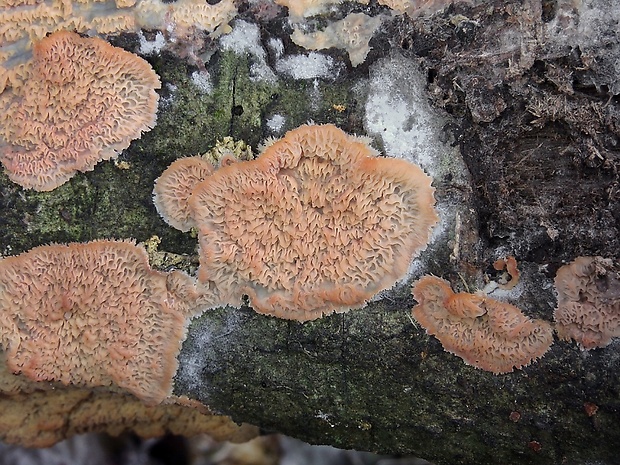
(596, 36)
(308, 66)
(201, 80)
(151, 47)
(164, 101)
(316, 96)
(494, 290)
(397, 111)
(277, 46)
(245, 39)
(276, 123)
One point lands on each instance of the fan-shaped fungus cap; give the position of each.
(316, 224)
(199, 14)
(94, 314)
(588, 308)
(82, 101)
(174, 188)
(488, 334)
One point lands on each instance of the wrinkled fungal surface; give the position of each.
(174, 188)
(25, 21)
(79, 101)
(94, 314)
(317, 224)
(588, 308)
(43, 418)
(486, 333)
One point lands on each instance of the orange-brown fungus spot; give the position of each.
(228, 160)
(590, 408)
(316, 224)
(510, 265)
(81, 101)
(588, 301)
(94, 314)
(174, 187)
(534, 446)
(496, 338)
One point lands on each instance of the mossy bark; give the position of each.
(373, 380)
(527, 165)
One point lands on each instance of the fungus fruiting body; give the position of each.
(81, 101)
(25, 21)
(176, 184)
(94, 314)
(509, 264)
(352, 33)
(588, 308)
(486, 333)
(316, 224)
(174, 187)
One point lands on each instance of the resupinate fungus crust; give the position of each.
(94, 314)
(588, 308)
(318, 223)
(484, 332)
(80, 101)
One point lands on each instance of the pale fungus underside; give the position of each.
(43, 418)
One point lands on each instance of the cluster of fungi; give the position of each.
(88, 328)
(318, 223)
